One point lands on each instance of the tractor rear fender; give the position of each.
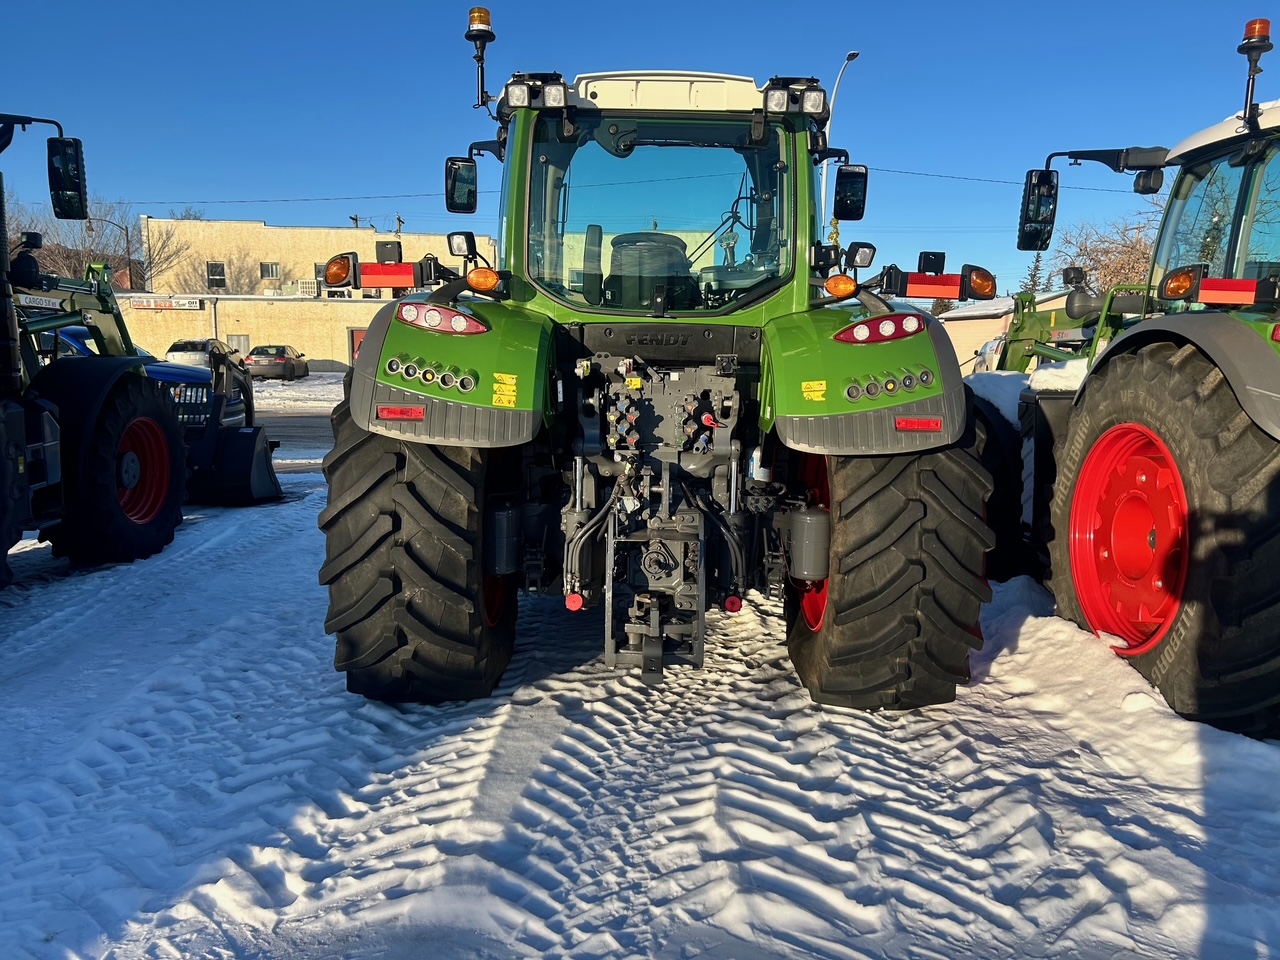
(78, 386)
(1249, 363)
(814, 388)
(511, 364)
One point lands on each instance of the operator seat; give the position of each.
(639, 262)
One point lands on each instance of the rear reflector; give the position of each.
(944, 285)
(1218, 290)
(402, 413)
(919, 424)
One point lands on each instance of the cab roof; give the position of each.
(1229, 129)
(665, 90)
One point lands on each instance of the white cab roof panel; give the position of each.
(665, 90)
(1226, 130)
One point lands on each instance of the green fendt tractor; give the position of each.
(90, 453)
(1153, 488)
(666, 392)
(96, 453)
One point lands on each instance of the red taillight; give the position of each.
(919, 424)
(279, 359)
(891, 326)
(402, 413)
(428, 316)
(1275, 333)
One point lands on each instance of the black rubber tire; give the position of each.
(288, 371)
(1002, 458)
(94, 527)
(403, 564)
(1220, 660)
(908, 541)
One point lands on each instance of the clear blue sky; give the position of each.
(197, 104)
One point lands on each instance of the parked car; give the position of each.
(195, 353)
(190, 386)
(987, 357)
(276, 361)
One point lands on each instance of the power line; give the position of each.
(420, 196)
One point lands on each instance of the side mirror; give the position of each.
(851, 192)
(1039, 208)
(1148, 182)
(859, 255)
(460, 185)
(1073, 277)
(67, 188)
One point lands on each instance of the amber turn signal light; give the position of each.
(841, 286)
(483, 279)
(981, 283)
(337, 271)
(1179, 284)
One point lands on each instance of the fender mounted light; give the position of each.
(437, 319)
(1181, 284)
(483, 279)
(841, 286)
(893, 326)
(978, 283)
(341, 270)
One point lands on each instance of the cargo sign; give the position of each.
(168, 303)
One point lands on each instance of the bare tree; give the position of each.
(941, 306)
(1111, 253)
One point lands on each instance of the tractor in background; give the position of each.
(93, 452)
(1152, 496)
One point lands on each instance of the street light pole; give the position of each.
(849, 58)
(128, 246)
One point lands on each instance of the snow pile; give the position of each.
(1064, 375)
(1002, 388)
(319, 392)
(185, 776)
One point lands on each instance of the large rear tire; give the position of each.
(1002, 458)
(893, 624)
(1167, 533)
(124, 478)
(416, 618)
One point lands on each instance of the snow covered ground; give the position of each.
(185, 776)
(316, 393)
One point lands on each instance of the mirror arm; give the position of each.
(829, 153)
(25, 122)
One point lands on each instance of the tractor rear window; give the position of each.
(630, 210)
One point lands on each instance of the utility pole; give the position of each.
(851, 56)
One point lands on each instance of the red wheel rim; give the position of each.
(813, 595)
(493, 598)
(1129, 539)
(142, 470)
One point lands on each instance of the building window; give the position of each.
(270, 271)
(217, 273)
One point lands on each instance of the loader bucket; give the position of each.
(238, 472)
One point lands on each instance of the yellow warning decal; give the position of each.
(503, 400)
(505, 389)
(508, 378)
(814, 390)
(635, 383)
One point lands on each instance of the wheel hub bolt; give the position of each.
(1142, 478)
(130, 470)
